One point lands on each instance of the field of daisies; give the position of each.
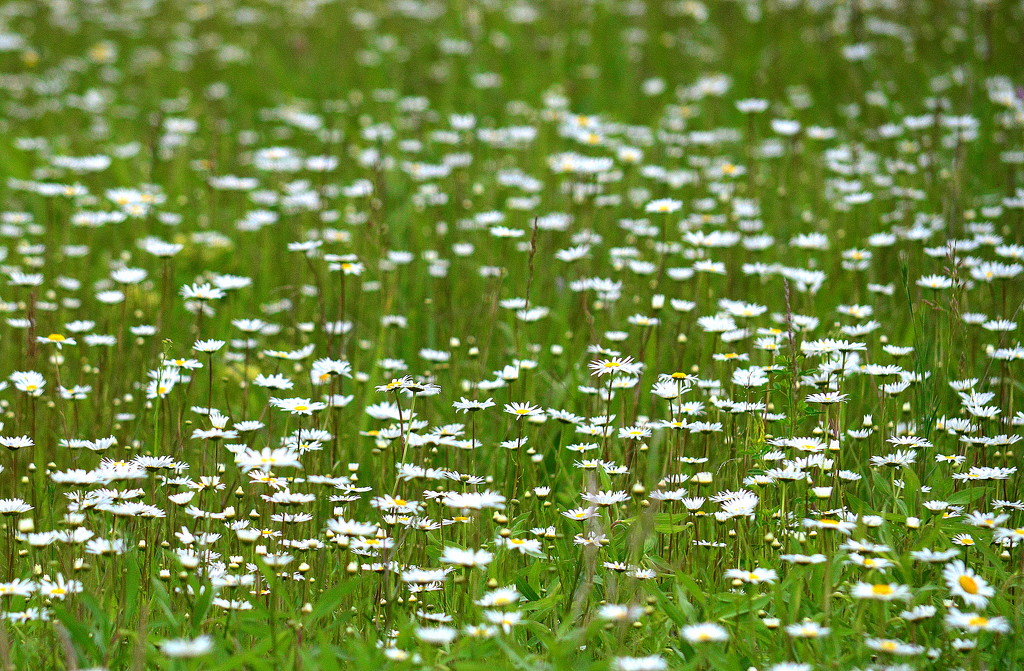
(525, 335)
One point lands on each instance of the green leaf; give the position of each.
(966, 496)
(331, 599)
(526, 590)
(133, 582)
(81, 636)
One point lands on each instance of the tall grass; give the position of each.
(740, 280)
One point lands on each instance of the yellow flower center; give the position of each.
(882, 590)
(968, 584)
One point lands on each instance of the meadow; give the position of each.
(484, 335)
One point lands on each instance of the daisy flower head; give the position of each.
(615, 365)
(967, 585)
(520, 410)
(705, 632)
(298, 406)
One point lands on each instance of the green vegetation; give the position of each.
(493, 335)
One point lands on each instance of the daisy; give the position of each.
(58, 588)
(827, 398)
(187, 648)
(466, 405)
(649, 663)
(30, 382)
(520, 410)
(13, 507)
(964, 583)
(13, 443)
(202, 292)
(894, 647)
(504, 619)
(467, 558)
(581, 514)
(755, 577)
(807, 630)
(707, 632)
(973, 622)
(298, 406)
(57, 339)
(616, 365)
(267, 459)
(880, 592)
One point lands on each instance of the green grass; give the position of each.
(912, 149)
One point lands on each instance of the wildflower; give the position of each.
(616, 365)
(756, 576)
(202, 292)
(880, 592)
(894, 647)
(520, 410)
(807, 630)
(973, 622)
(58, 588)
(707, 632)
(298, 406)
(186, 648)
(967, 585)
(14, 443)
(267, 459)
(466, 405)
(58, 340)
(467, 558)
(30, 382)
